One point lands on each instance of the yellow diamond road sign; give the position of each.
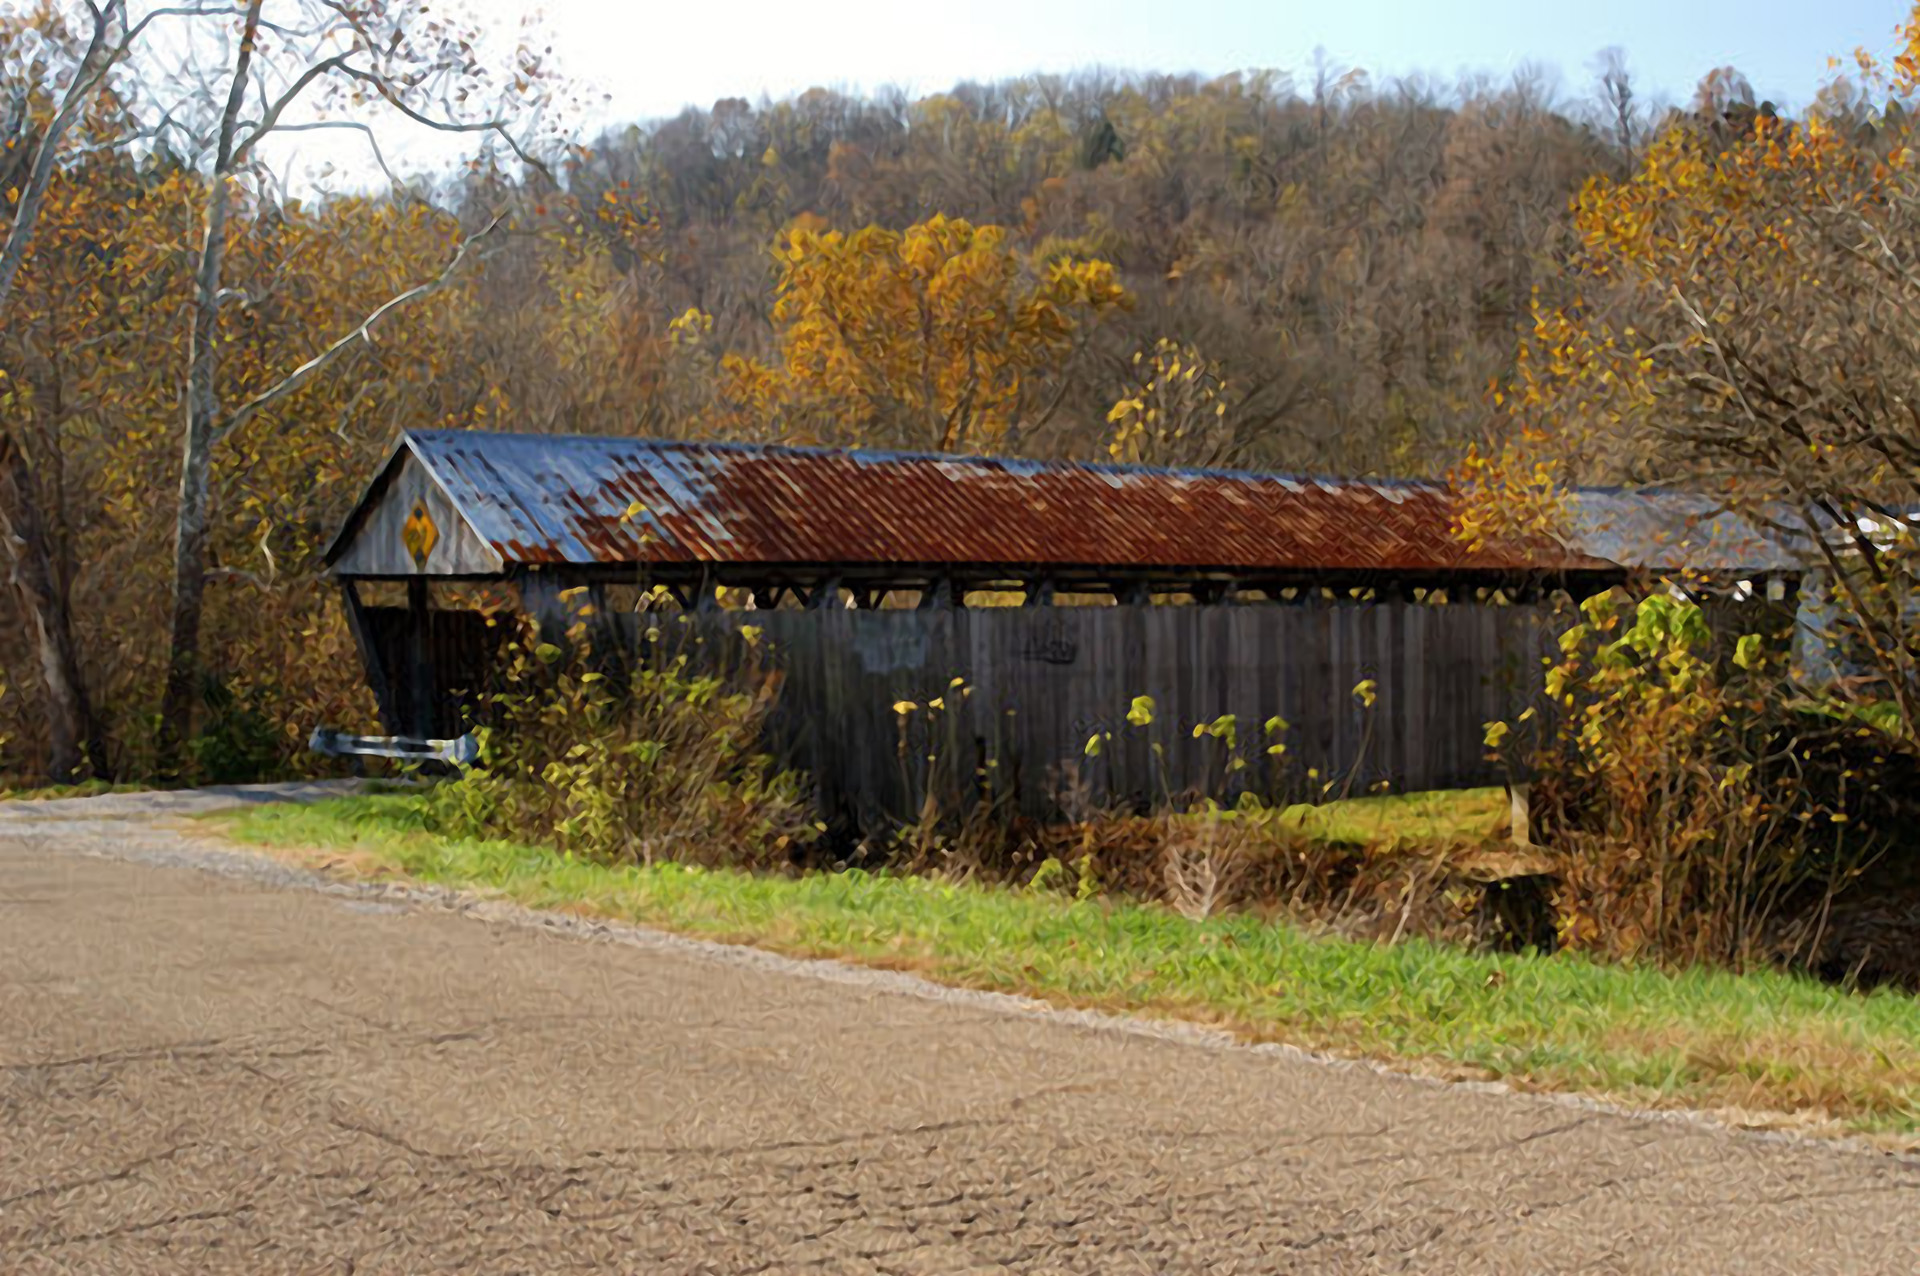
(419, 534)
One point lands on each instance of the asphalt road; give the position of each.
(225, 1072)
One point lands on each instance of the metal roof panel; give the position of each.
(565, 499)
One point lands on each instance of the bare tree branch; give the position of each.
(95, 64)
(363, 332)
(271, 116)
(373, 142)
(498, 128)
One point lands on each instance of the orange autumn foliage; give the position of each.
(939, 336)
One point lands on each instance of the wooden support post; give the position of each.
(379, 677)
(1132, 593)
(1039, 593)
(940, 594)
(708, 599)
(419, 659)
(1519, 817)
(825, 595)
(608, 642)
(540, 596)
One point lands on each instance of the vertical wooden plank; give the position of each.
(1283, 624)
(419, 660)
(1133, 774)
(1443, 632)
(1331, 702)
(1070, 673)
(806, 685)
(1196, 668)
(1370, 645)
(378, 680)
(1220, 684)
(1460, 619)
(956, 764)
(1395, 677)
(1041, 695)
(975, 666)
(1389, 742)
(1101, 636)
(1491, 704)
(1252, 695)
(1417, 716)
(1182, 647)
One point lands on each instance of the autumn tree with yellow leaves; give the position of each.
(151, 250)
(328, 65)
(942, 336)
(37, 125)
(1341, 264)
(92, 354)
(1742, 317)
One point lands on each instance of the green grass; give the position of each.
(1452, 816)
(53, 792)
(1762, 1042)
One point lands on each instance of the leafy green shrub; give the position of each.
(1669, 791)
(658, 764)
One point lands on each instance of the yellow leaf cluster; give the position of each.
(1175, 413)
(933, 336)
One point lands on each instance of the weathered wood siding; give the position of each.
(378, 546)
(1037, 683)
(463, 659)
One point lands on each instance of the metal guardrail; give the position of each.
(461, 752)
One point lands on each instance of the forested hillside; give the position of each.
(1312, 272)
(1350, 260)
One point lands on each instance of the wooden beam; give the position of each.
(540, 597)
(940, 594)
(825, 596)
(378, 679)
(708, 599)
(605, 635)
(419, 659)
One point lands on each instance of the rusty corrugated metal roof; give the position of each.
(550, 499)
(1662, 531)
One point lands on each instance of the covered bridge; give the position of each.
(1213, 592)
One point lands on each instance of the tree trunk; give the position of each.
(70, 719)
(43, 603)
(192, 513)
(202, 407)
(189, 582)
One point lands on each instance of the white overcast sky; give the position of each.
(653, 59)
